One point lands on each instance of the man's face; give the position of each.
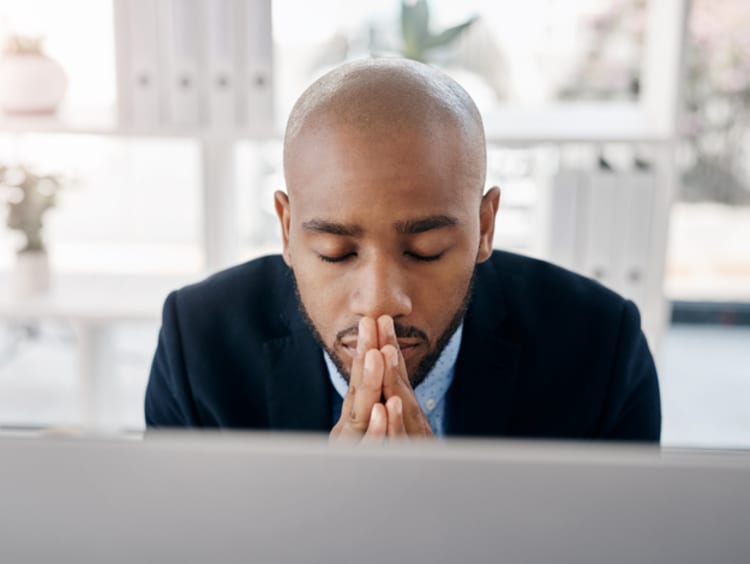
(383, 227)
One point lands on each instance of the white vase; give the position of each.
(31, 275)
(31, 84)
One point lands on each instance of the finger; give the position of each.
(355, 379)
(377, 429)
(396, 385)
(394, 409)
(387, 336)
(357, 420)
(366, 336)
(394, 374)
(386, 332)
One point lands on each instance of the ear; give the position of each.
(487, 213)
(281, 203)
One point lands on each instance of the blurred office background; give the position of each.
(619, 131)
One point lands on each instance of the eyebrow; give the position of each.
(323, 226)
(407, 227)
(414, 226)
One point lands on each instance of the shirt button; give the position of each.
(430, 404)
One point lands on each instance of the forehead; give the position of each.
(401, 173)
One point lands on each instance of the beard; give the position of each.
(428, 360)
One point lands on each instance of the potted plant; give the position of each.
(30, 81)
(28, 197)
(418, 38)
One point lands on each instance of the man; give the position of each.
(390, 315)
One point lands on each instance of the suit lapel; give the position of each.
(479, 401)
(297, 383)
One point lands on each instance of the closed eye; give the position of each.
(423, 258)
(415, 256)
(342, 258)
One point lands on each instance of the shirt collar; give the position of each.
(432, 389)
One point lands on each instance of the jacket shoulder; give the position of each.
(584, 369)
(258, 291)
(531, 284)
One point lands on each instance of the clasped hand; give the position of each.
(380, 402)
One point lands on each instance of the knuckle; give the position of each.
(356, 420)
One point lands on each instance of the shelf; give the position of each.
(102, 121)
(565, 123)
(572, 123)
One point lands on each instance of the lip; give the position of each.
(409, 350)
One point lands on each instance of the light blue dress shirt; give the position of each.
(430, 392)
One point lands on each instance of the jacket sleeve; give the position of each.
(169, 401)
(633, 405)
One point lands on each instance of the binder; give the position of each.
(258, 66)
(633, 233)
(598, 256)
(182, 25)
(139, 80)
(562, 219)
(222, 39)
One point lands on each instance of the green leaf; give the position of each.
(415, 28)
(449, 35)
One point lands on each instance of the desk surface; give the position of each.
(92, 298)
(257, 498)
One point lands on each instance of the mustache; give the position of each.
(402, 332)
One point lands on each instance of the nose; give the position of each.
(380, 289)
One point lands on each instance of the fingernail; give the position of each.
(394, 358)
(399, 405)
(369, 363)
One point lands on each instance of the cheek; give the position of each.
(441, 295)
(437, 292)
(322, 296)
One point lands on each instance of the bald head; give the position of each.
(378, 98)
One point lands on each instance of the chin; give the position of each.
(411, 366)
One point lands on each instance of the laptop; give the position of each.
(241, 497)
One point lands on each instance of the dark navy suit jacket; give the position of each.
(545, 353)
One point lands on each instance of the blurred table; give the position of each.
(92, 304)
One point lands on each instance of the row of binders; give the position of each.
(195, 63)
(600, 224)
